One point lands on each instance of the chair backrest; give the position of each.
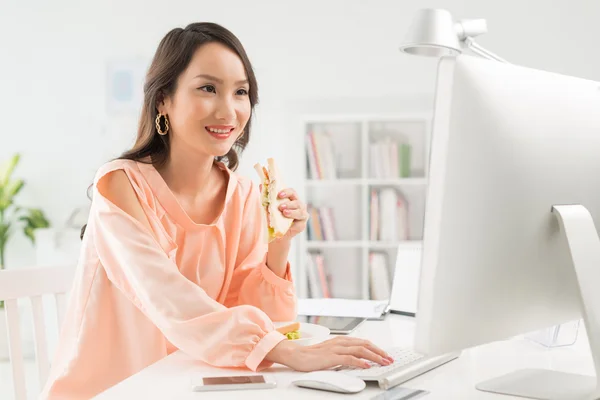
(32, 283)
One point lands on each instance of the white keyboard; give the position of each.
(407, 365)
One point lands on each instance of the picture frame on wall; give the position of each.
(125, 85)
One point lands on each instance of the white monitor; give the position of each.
(515, 162)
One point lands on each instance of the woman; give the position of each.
(173, 256)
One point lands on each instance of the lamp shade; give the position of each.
(433, 34)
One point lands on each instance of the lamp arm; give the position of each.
(477, 49)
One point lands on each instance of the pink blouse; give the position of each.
(139, 295)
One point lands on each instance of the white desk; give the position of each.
(169, 378)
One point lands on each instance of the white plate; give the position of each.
(309, 333)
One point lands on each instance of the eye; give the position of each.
(208, 88)
(242, 92)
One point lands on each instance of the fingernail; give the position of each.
(283, 207)
(281, 194)
(366, 365)
(286, 212)
(386, 361)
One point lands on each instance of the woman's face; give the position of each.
(210, 107)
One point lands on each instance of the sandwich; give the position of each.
(277, 223)
(290, 331)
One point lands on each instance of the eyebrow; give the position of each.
(214, 78)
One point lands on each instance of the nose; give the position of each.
(225, 110)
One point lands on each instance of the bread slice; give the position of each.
(277, 223)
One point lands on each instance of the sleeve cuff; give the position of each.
(262, 348)
(283, 283)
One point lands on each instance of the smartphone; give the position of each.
(337, 325)
(242, 382)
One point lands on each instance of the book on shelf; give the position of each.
(388, 216)
(379, 276)
(320, 156)
(318, 278)
(321, 224)
(390, 159)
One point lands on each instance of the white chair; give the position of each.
(32, 283)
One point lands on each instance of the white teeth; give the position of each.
(219, 130)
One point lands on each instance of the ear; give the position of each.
(163, 104)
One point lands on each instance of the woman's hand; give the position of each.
(279, 248)
(294, 209)
(345, 351)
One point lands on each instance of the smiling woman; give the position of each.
(173, 257)
(213, 98)
(217, 89)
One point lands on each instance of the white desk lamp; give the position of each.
(433, 33)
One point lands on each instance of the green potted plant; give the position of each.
(12, 219)
(13, 216)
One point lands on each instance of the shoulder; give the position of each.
(126, 166)
(114, 184)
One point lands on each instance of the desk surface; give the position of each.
(169, 378)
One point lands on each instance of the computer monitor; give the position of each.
(515, 162)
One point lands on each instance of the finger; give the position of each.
(352, 341)
(291, 205)
(288, 193)
(369, 345)
(299, 215)
(350, 361)
(260, 187)
(364, 352)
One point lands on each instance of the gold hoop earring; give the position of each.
(158, 128)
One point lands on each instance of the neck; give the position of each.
(186, 172)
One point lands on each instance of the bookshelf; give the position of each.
(348, 157)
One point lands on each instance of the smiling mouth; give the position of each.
(219, 133)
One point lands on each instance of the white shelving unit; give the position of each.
(347, 258)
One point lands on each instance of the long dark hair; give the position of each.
(172, 57)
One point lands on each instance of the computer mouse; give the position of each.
(332, 381)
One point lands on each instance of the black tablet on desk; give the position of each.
(337, 325)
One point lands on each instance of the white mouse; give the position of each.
(332, 381)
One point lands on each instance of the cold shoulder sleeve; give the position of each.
(140, 268)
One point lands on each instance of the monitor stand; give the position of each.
(542, 384)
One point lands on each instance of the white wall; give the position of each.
(310, 56)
